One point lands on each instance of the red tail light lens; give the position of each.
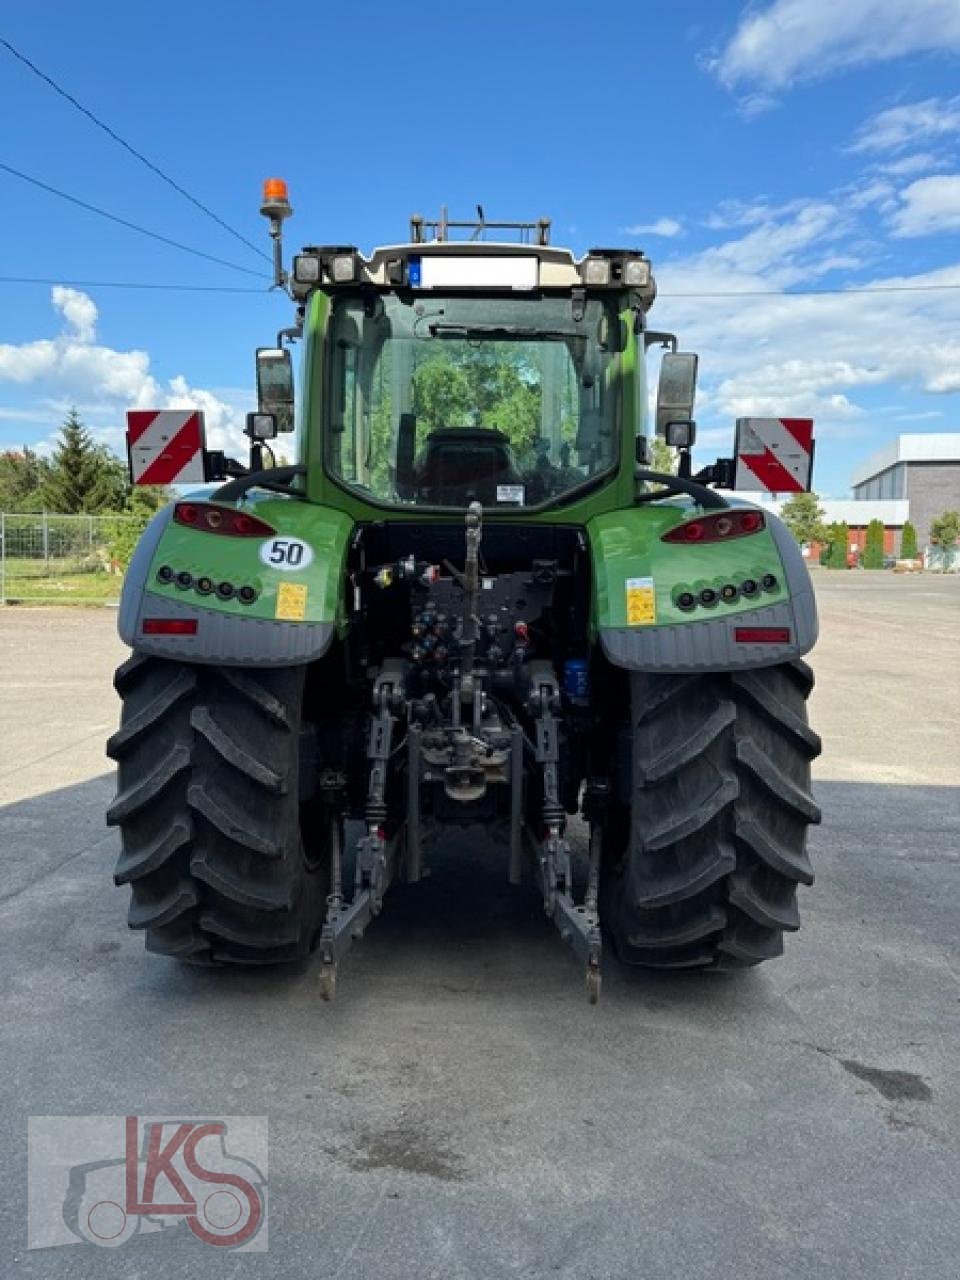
(170, 626)
(717, 528)
(224, 520)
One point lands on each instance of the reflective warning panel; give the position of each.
(774, 454)
(165, 446)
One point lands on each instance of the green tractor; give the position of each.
(471, 603)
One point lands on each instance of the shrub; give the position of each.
(838, 537)
(873, 551)
(908, 542)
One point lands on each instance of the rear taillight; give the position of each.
(213, 519)
(716, 528)
(170, 626)
(762, 635)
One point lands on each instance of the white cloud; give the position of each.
(906, 166)
(790, 40)
(927, 206)
(79, 311)
(908, 125)
(662, 227)
(805, 355)
(776, 241)
(72, 368)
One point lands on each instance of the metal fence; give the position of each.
(47, 559)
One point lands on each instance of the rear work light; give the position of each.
(169, 626)
(731, 524)
(762, 635)
(213, 519)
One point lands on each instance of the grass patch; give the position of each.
(47, 582)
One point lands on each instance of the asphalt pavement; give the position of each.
(460, 1110)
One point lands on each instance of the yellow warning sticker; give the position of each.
(641, 602)
(291, 601)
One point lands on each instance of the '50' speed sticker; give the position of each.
(286, 553)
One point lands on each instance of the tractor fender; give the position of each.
(229, 632)
(679, 645)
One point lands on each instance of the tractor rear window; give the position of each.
(445, 401)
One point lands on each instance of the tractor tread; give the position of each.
(688, 824)
(149, 912)
(776, 782)
(664, 888)
(203, 721)
(232, 884)
(243, 683)
(672, 933)
(233, 823)
(794, 863)
(669, 762)
(126, 737)
(140, 860)
(767, 701)
(210, 814)
(133, 799)
(772, 912)
(702, 870)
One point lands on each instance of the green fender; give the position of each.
(638, 580)
(296, 610)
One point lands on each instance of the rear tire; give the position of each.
(224, 861)
(705, 843)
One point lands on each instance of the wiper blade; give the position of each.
(445, 330)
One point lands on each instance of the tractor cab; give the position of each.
(450, 372)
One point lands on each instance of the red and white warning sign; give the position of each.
(165, 446)
(774, 454)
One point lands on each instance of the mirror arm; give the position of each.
(719, 473)
(679, 484)
(653, 337)
(275, 478)
(291, 334)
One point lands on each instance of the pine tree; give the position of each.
(873, 550)
(839, 536)
(82, 476)
(908, 542)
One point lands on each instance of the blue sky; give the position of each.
(783, 145)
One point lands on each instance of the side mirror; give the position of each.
(676, 390)
(275, 385)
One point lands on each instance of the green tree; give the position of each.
(873, 550)
(21, 475)
(82, 476)
(908, 542)
(123, 530)
(838, 536)
(662, 457)
(945, 532)
(804, 517)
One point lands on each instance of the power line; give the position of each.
(133, 151)
(131, 284)
(132, 226)
(814, 293)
